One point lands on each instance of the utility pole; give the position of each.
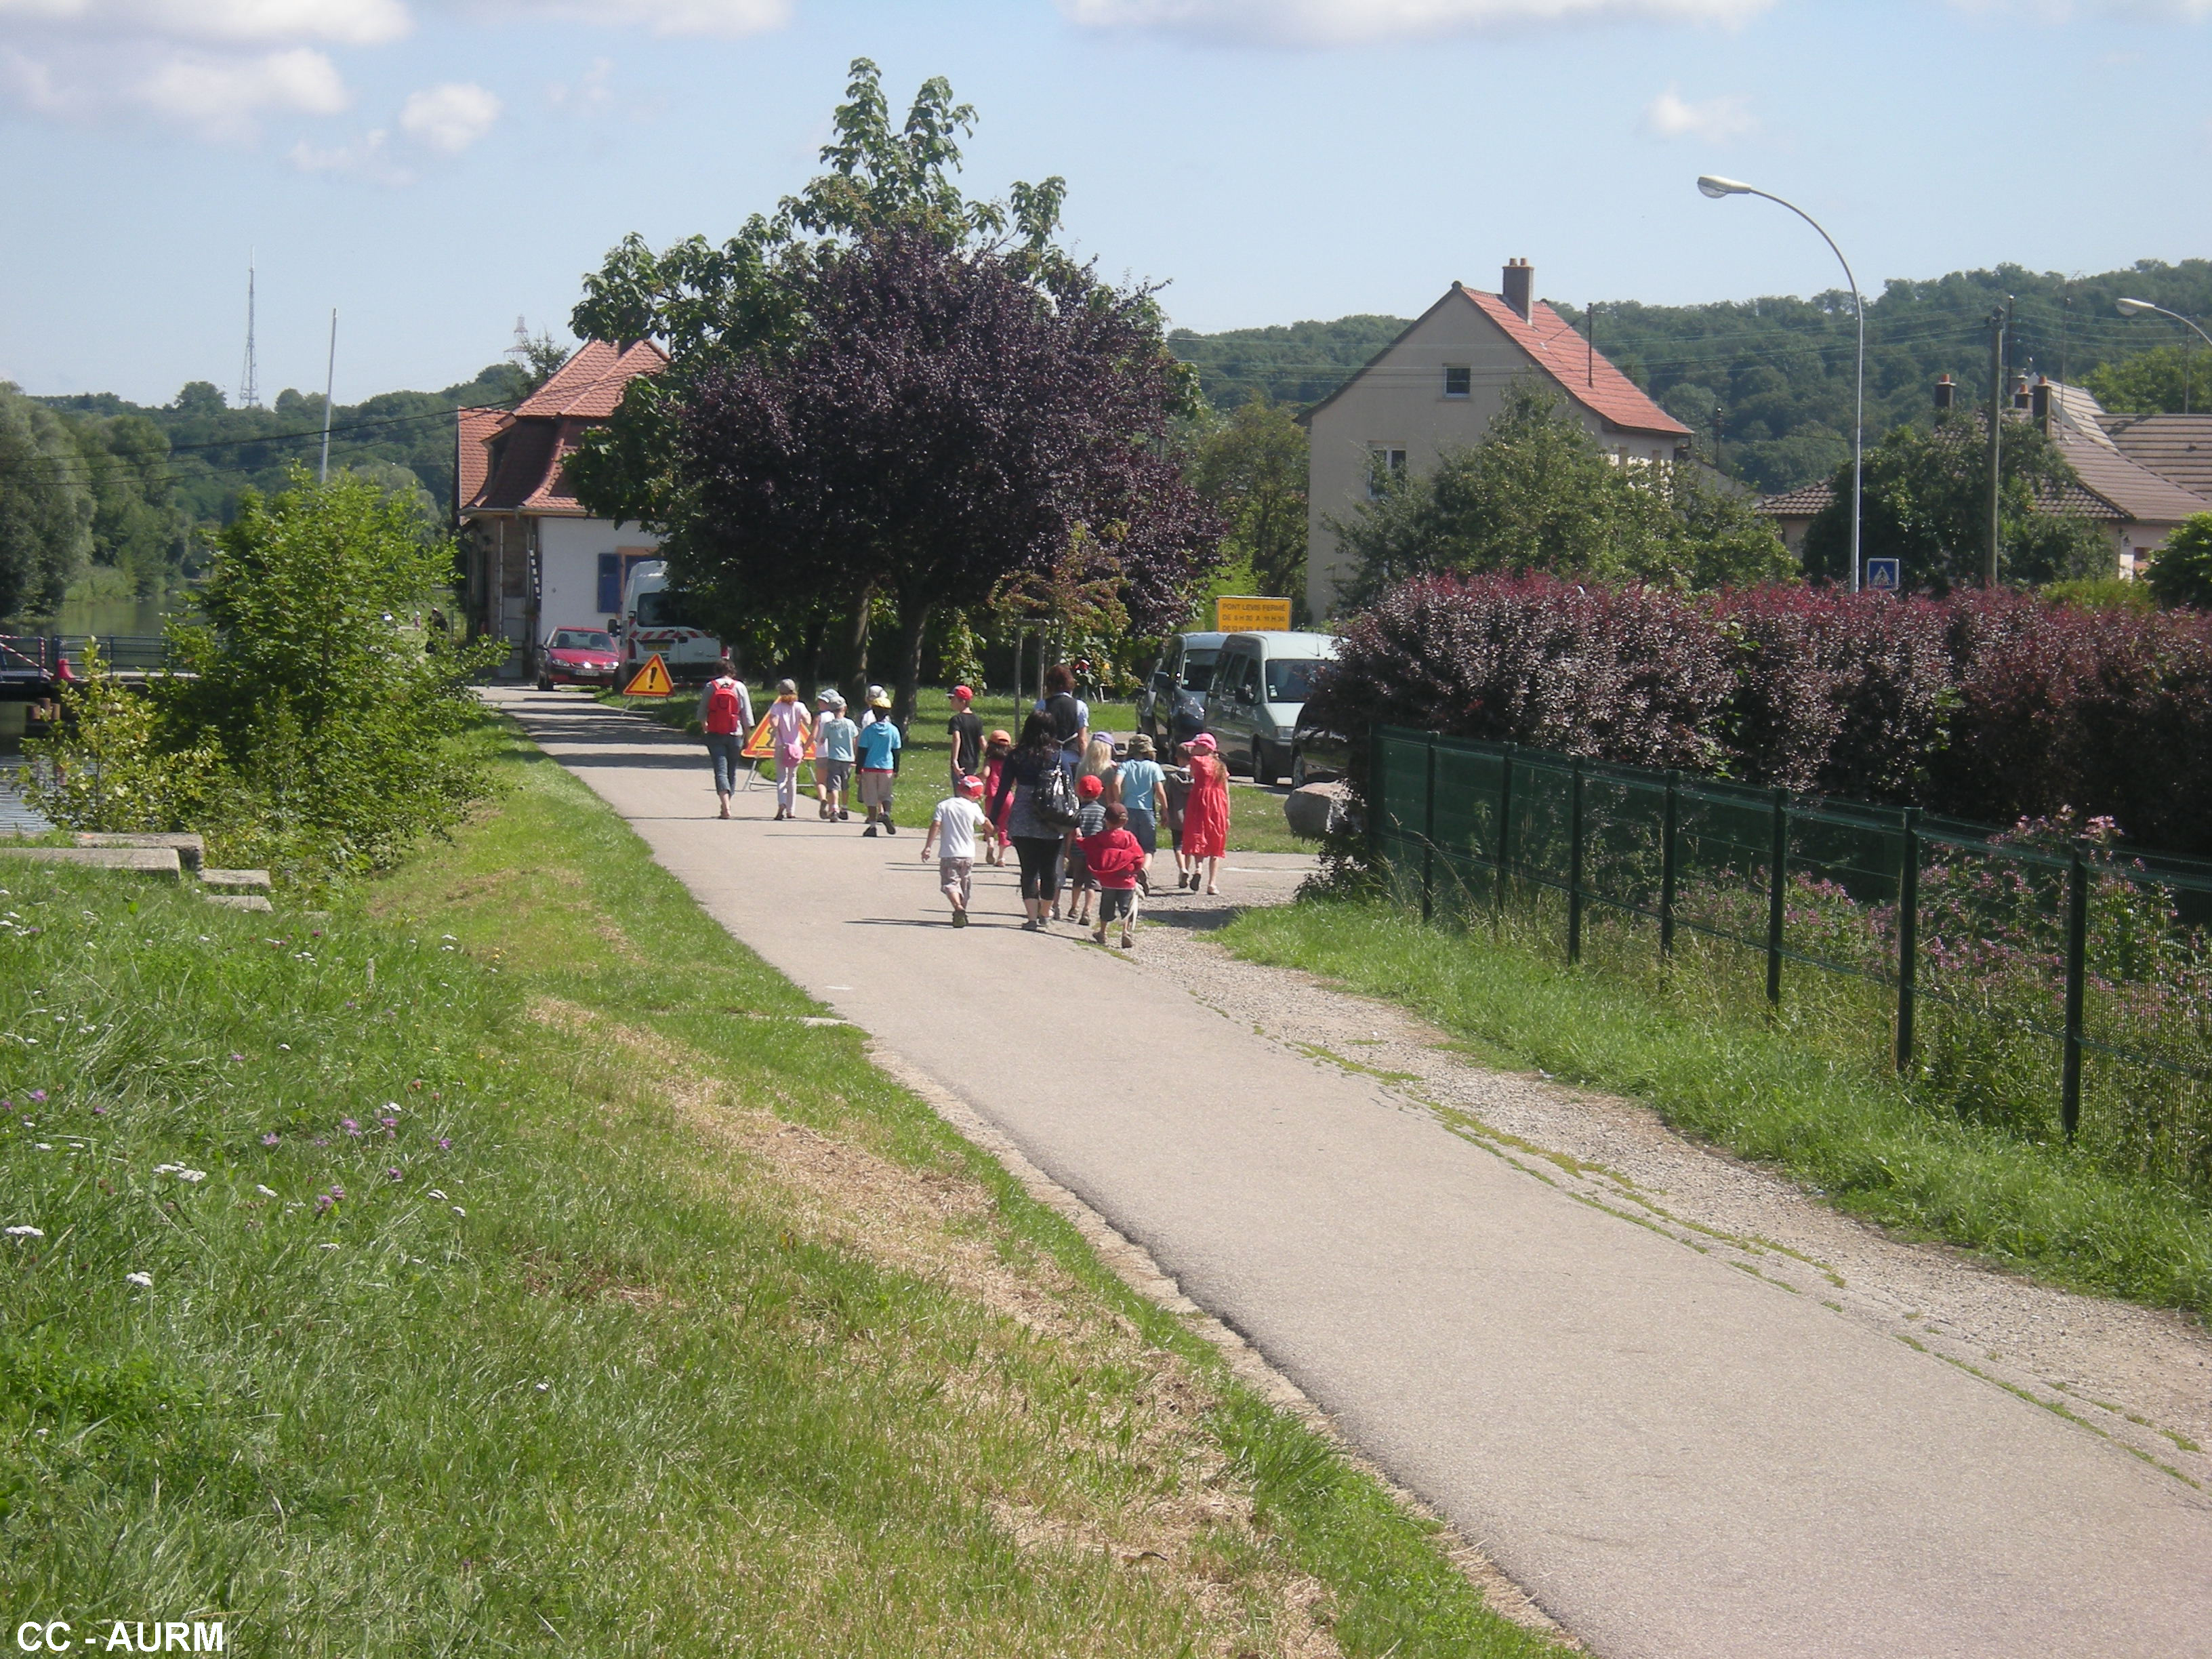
(1999, 319)
(330, 382)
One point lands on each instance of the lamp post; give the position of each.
(1716, 187)
(2143, 307)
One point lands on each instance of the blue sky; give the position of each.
(433, 168)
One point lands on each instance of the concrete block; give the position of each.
(189, 847)
(159, 862)
(236, 881)
(238, 900)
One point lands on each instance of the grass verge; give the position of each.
(1847, 1131)
(504, 1264)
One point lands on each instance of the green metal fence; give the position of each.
(2017, 978)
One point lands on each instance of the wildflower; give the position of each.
(320, 1141)
(326, 1247)
(99, 1111)
(39, 1094)
(144, 1281)
(238, 1057)
(25, 1232)
(350, 1126)
(191, 1174)
(545, 1387)
(436, 1193)
(44, 1147)
(266, 1192)
(392, 1175)
(270, 1139)
(445, 1144)
(389, 1122)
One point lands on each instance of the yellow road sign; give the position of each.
(651, 681)
(1247, 614)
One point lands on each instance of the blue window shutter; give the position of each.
(610, 576)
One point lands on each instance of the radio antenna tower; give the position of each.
(520, 349)
(249, 389)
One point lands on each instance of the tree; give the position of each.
(135, 527)
(1537, 494)
(946, 420)
(1927, 505)
(47, 505)
(2165, 379)
(1252, 467)
(2182, 573)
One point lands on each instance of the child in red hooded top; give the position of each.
(1116, 860)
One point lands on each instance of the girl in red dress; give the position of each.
(1205, 814)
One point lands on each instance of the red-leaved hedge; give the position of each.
(1990, 707)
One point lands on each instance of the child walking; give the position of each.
(996, 748)
(1090, 821)
(952, 829)
(1116, 863)
(788, 727)
(879, 744)
(833, 738)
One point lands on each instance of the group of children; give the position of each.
(1104, 858)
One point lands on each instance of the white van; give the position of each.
(1261, 683)
(653, 621)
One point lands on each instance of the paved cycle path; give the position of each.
(1675, 1459)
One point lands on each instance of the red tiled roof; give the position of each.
(1805, 502)
(473, 460)
(590, 383)
(1583, 373)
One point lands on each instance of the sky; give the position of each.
(434, 169)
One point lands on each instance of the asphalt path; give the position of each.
(1674, 1458)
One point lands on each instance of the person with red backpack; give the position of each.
(725, 710)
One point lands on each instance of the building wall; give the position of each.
(501, 601)
(570, 550)
(1400, 403)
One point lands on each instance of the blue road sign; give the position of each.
(1883, 575)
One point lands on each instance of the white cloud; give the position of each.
(1716, 120)
(223, 96)
(728, 19)
(1341, 22)
(450, 117)
(243, 22)
(365, 157)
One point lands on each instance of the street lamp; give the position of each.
(1716, 187)
(2143, 308)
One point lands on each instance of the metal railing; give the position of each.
(2012, 971)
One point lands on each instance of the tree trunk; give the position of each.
(810, 663)
(913, 623)
(856, 655)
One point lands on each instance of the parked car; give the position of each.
(1171, 706)
(1261, 682)
(578, 656)
(653, 619)
(1318, 755)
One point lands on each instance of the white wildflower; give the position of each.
(266, 1192)
(43, 1146)
(436, 1193)
(144, 1281)
(191, 1174)
(25, 1232)
(326, 1247)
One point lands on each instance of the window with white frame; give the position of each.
(1386, 465)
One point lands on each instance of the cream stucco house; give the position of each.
(1437, 385)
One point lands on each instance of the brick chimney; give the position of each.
(1518, 289)
(1946, 389)
(2039, 402)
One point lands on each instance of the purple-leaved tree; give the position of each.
(942, 418)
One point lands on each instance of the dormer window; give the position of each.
(1459, 379)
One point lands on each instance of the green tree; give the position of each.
(1538, 493)
(135, 524)
(2182, 572)
(1927, 505)
(47, 505)
(1251, 465)
(334, 721)
(2168, 379)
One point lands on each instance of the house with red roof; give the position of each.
(536, 559)
(1437, 386)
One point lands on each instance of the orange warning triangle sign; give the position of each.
(651, 681)
(761, 746)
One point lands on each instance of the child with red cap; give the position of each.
(1115, 858)
(965, 728)
(1090, 821)
(952, 829)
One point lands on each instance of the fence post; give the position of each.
(1377, 784)
(1777, 877)
(1908, 938)
(1503, 841)
(2077, 963)
(1575, 862)
(1667, 865)
(1429, 835)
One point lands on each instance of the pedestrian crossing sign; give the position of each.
(1883, 575)
(651, 681)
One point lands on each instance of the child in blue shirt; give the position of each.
(833, 740)
(879, 744)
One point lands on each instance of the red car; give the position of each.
(578, 656)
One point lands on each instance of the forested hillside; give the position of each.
(1768, 381)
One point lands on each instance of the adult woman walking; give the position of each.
(1070, 717)
(726, 712)
(1205, 814)
(1037, 843)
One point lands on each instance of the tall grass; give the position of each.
(1801, 1093)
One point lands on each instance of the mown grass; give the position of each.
(1841, 1125)
(653, 1320)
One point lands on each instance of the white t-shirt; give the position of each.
(955, 822)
